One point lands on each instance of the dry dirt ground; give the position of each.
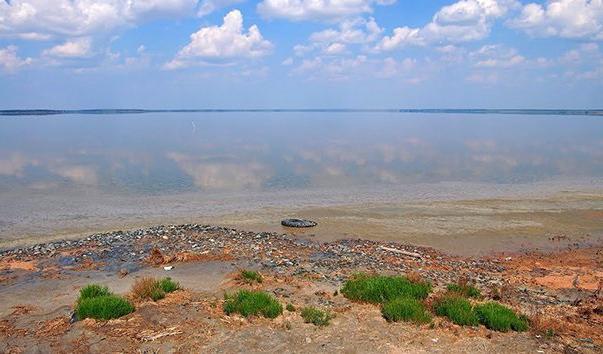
(560, 292)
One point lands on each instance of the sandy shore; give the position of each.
(560, 292)
(488, 225)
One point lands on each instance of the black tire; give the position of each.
(298, 223)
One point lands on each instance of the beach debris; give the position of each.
(156, 257)
(149, 336)
(168, 268)
(402, 252)
(298, 223)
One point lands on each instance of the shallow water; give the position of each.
(62, 173)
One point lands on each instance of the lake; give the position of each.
(67, 173)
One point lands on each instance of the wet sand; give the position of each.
(513, 220)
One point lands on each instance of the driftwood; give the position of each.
(404, 253)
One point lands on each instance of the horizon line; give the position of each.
(99, 111)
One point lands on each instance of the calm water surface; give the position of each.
(58, 168)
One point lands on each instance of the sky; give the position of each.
(75, 54)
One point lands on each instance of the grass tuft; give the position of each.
(93, 290)
(405, 309)
(316, 316)
(168, 285)
(98, 302)
(251, 276)
(252, 303)
(290, 308)
(380, 288)
(465, 290)
(458, 309)
(104, 307)
(152, 289)
(500, 318)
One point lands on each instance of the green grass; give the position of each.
(290, 308)
(251, 276)
(465, 290)
(316, 316)
(458, 309)
(380, 288)
(252, 303)
(500, 318)
(168, 285)
(405, 309)
(93, 290)
(103, 307)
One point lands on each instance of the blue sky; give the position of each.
(301, 53)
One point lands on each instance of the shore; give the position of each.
(445, 217)
(558, 289)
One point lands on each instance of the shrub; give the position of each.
(457, 309)
(405, 309)
(168, 285)
(251, 276)
(93, 290)
(316, 316)
(290, 308)
(252, 303)
(153, 289)
(103, 307)
(465, 290)
(381, 288)
(500, 318)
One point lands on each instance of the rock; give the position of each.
(298, 223)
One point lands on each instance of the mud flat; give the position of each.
(560, 291)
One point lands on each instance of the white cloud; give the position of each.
(208, 6)
(496, 56)
(462, 21)
(298, 10)
(41, 19)
(10, 61)
(222, 42)
(401, 36)
(355, 31)
(76, 48)
(562, 18)
(335, 48)
(333, 41)
(334, 68)
(331, 68)
(391, 67)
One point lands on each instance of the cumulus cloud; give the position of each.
(330, 68)
(222, 42)
(462, 21)
(562, 18)
(298, 10)
(496, 56)
(42, 19)
(335, 41)
(208, 6)
(355, 31)
(76, 48)
(10, 61)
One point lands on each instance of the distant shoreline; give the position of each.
(47, 112)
